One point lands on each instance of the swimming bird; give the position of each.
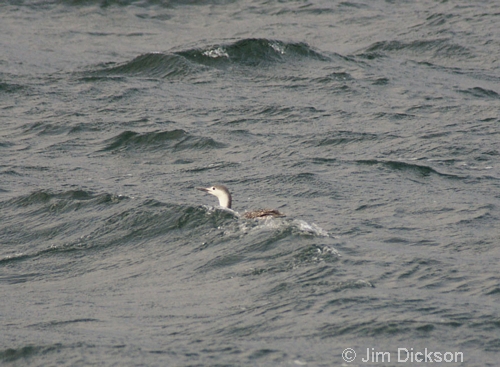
(225, 201)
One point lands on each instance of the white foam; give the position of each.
(311, 228)
(216, 53)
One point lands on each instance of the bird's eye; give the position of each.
(213, 188)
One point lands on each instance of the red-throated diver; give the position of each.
(225, 201)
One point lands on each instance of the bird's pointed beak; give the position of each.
(202, 189)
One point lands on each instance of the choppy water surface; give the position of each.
(374, 125)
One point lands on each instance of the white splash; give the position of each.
(278, 48)
(215, 53)
(311, 228)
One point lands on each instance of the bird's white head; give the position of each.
(221, 192)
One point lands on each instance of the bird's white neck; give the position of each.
(225, 201)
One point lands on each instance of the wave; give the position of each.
(62, 201)
(437, 47)
(78, 221)
(144, 3)
(11, 87)
(26, 352)
(49, 223)
(174, 140)
(344, 137)
(274, 245)
(404, 166)
(157, 65)
(246, 52)
(251, 52)
(53, 229)
(481, 93)
(294, 226)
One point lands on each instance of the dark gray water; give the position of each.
(374, 125)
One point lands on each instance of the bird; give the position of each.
(225, 201)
